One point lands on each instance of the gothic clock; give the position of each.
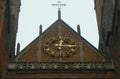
(60, 47)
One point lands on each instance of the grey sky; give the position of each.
(36, 12)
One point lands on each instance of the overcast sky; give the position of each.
(36, 12)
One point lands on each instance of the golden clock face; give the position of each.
(60, 47)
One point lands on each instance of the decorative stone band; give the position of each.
(61, 66)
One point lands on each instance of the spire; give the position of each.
(59, 8)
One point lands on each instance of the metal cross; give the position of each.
(59, 5)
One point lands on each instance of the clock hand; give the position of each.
(61, 41)
(59, 45)
(68, 45)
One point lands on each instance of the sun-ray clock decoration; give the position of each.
(60, 47)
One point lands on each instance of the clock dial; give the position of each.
(60, 47)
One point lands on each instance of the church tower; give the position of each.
(108, 17)
(9, 12)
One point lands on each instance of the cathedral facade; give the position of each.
(60, 52)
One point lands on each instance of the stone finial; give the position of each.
(18, 48)
(78, 29)
(40, 30)
(59, 14)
